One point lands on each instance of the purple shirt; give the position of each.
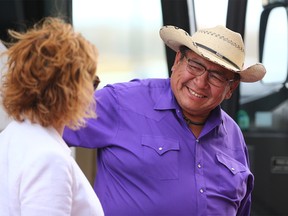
(150, 163)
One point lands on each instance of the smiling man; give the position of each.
(165, 146)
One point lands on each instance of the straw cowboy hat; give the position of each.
(219, 45)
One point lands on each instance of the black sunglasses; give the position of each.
(96, 82)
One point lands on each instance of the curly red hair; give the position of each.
(49, 76)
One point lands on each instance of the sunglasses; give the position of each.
(96, 82)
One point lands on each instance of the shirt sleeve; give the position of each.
(46, 186)
(98, 132)
(245, 206)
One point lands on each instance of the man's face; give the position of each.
(196, 94)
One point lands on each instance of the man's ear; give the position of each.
(232, 88)
(176, 60)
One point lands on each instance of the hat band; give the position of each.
(218, 54)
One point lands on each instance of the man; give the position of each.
(165, 147)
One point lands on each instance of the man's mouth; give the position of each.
(195, 94)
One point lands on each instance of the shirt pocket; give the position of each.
(233, 177)
(160, 156)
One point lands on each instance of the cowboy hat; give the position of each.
(219, 45)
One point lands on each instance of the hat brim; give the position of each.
(175, 37)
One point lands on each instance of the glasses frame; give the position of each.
(191, 69)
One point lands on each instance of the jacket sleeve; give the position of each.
(45, 186)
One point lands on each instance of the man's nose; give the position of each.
(202, 80)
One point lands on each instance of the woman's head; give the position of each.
(50, 72)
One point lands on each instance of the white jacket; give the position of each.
(38, 175)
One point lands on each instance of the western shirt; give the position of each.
(39, 176)
(150, 163)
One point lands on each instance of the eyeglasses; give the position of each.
(215, 78)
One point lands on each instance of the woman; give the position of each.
(48, 86)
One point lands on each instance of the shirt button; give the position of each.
(199, 165)
(201, 190)
(160, 148)
(233, 169)
(197, 140)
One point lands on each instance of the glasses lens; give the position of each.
(217, 79)
(195, 68)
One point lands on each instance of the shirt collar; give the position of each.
(166, 99)
(52, 132)
(214, 120)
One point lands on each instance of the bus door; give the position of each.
(263, 113)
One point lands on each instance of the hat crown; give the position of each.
(224, 43)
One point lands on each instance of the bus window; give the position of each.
(263, 104)
(126, 33)
(210, 13)
(275, 47)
